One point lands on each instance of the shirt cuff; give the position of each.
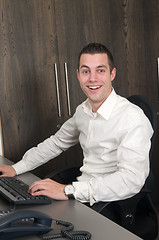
(81, 191)
(20, 167)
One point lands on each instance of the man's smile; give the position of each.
(94, 87)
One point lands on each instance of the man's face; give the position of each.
(95, 78)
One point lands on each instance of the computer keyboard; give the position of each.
(15, 191)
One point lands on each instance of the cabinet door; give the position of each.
(28, 97)
(77, 24)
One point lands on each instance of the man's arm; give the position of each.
(66, 137)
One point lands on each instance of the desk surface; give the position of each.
(75, 212)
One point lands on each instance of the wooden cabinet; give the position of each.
(77, 24)
(28, 96)
(37, 38)
(36, 34)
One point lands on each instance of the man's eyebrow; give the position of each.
(102, 66)
(84, 66)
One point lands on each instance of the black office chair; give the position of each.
(137, 214)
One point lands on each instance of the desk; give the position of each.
(75, 212)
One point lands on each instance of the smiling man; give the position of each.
(114, 135)
(95, 77)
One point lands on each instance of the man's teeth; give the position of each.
(94, 87)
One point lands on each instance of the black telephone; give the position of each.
(24, 223)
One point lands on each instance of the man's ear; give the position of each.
(78, 74)
(113, 74)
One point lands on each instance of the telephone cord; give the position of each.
(68, 232)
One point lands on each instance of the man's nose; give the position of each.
(92, 76)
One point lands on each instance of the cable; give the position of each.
(68, 232)
(77, 235)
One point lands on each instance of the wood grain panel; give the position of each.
(27, 89)
(77, 24)
(35, 34)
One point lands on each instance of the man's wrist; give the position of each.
(69, 191)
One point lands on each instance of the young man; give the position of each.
(113, 133)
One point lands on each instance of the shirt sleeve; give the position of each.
(66, 137)
(132, 167)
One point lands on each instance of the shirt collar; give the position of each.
(105, 109)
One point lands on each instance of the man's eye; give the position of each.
(85, 71)
(100, 70)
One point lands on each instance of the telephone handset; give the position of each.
(24, 223)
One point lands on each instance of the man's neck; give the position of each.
(96, 106)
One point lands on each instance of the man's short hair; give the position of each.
(93, 48)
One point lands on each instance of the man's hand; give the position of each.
(48, 188)
(7, 171)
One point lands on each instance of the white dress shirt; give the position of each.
(115, 143)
